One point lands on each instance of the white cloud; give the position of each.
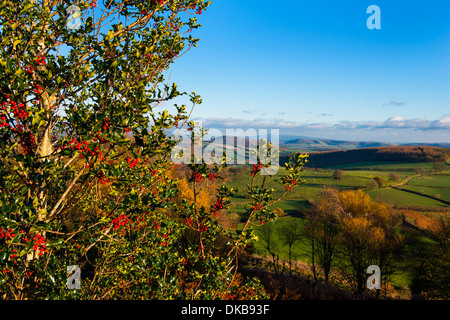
(445, 120)
(394, 122)
(398, 128)
(397, 118)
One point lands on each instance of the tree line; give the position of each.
(395, 154)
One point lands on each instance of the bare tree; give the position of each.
(324, 219)
(267, 236)
(290, 235)
(372, 184)
(309, 235)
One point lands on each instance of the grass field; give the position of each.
(441, 193)
(431, 181)
(436, 185)
(403, 198)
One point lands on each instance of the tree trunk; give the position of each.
(44, 146)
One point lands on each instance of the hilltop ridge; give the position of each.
(382, 154)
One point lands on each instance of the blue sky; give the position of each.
(313, 68)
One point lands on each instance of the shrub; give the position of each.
(372, 184)
(393, 176)
(380, 181)
(338, 174)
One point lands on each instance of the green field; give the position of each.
(436, 185)
(441, 193)
(431, 181)
(403, 198)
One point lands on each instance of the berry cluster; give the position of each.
(40, 60)
(212, 176)
(79, 145)
(170, 54)
(202, 227)
(106, 124)
(290, 184)
(197, 176)
(99, 136)
(18, 110)
(37, 89)
(165, 242)
(132, 163)
(39, 244)
(13, 255)
(8, 234)
(27, 140)
(177, 118)
(197, 10)
(256, 168)
(30, 69)
(217, 206)
(103, 178)
(3, 122)
(257, 207)
(119, 222)
(140, 220)
(83, 147)
(188, 221)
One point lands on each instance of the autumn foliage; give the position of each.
(349, 230)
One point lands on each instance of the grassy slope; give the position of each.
(434, 180)
(402, 198)
(442, 193)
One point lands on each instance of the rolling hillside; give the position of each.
(330, 145)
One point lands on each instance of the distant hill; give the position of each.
(383, 154)
(329, 145)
